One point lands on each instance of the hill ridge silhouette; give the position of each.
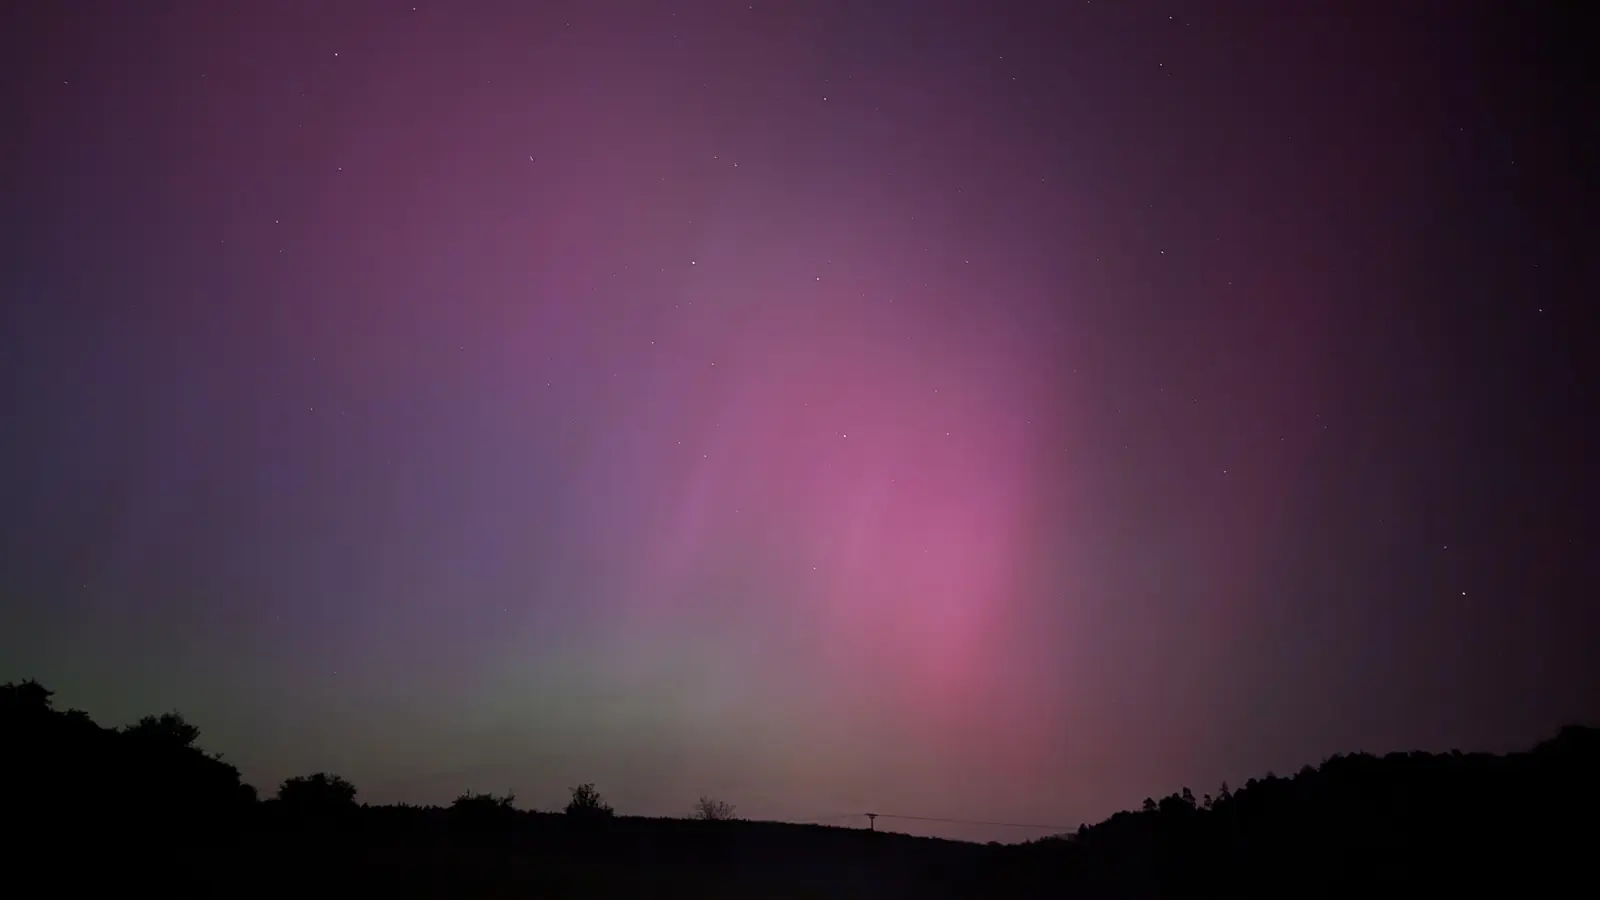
(1360, 821)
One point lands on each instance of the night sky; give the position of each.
(960, 410)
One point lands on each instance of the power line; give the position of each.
(971, 822)
(869, 816)
(450, 774)
(821, 819)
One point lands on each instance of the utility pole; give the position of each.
(872, 821)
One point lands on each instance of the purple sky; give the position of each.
(952, 410)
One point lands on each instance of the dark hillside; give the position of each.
(146, 799)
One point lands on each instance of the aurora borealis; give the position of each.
(993, 412)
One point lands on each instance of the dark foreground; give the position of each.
(143, 809)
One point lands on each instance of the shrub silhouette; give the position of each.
(168, 729)
(318, 796)
(707, 809)
(586, 803)
(26, 702)
(483, 811)
(470, 801)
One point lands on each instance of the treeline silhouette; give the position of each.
(147, 795)
(1419, 822)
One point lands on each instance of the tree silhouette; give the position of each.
(321, 794)
(63, 767)
(27, 697)
(586, 802)
(483, 811)
(168, 728)
(473, 801)
(708, 810)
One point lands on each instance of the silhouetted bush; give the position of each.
(317, 798)
(586, 803)
(167, 729)
(483, 812)
(709, 810)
